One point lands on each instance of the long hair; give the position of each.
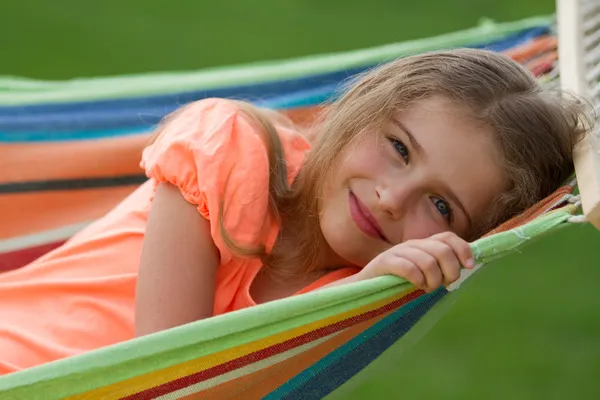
(534, 131)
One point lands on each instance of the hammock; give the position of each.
(334, 342)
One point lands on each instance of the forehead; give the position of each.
(458, 151)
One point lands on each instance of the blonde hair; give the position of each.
(535, 132)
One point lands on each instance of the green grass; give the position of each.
(62, 39)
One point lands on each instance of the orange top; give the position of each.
(80, 296)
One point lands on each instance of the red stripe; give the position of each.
(269, 351)
(542, 69)
(19, 258)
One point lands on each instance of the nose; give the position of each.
(396, 199)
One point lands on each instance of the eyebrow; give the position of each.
(411, 137)
(419, 149)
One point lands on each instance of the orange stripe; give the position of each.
(533, 212)
(68, 160)
(260, 383)
(532, 48)
(27, 213)
(546, 58)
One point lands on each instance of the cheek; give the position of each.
(420, 225)
(364, 159)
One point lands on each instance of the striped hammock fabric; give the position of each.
(87, 134)
(303, 347)
(299, 348)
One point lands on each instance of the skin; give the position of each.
(176, 281)
(408, 188)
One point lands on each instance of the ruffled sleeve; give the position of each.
(218, 160)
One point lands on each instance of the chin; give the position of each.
(350, 251)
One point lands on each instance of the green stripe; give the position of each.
(499, 245)
(20, 91)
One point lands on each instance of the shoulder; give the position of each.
(216, 155)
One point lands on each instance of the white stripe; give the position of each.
(257, 366)
(41, 238)
(577, 219)
(464, 275)
(573, 181)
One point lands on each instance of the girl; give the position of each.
(419, 157)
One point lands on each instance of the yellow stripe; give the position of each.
(156, 378)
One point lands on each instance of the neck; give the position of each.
(301, 249)
(300, 246)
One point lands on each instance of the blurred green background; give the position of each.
(61, 39)
(527, 327)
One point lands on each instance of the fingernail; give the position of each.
(470, 263)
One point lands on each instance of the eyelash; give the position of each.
(395, 143)
(436, 202)
(402, 151)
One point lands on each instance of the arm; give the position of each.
(176, 281)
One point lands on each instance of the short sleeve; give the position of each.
(218, 160)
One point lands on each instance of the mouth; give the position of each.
(364, 220)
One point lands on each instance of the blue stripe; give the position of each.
(302, 99)
(305, 98)
(142, 117)
(41, 136)
(340, 365)
(15, 115)
(45, 121)
(514, 39)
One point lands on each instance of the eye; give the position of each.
(400, 148)
(443, 207)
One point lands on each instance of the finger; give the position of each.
(461, 248)
(404, 268)
(447, 260)
(428, 265)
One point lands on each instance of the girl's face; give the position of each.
(432, 169)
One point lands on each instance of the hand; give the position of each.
(426, 263)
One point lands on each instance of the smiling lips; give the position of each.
(364, 219)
